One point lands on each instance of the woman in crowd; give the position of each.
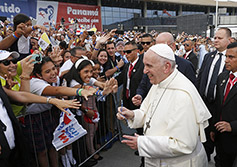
(19, 74)
(102, 57)
(66, 55)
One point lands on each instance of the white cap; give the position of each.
(5, 54)
(163, 50)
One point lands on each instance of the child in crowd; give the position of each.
(79, 76)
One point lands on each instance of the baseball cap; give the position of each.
(5, 54)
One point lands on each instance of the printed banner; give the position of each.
(47, 13)
(76, 16)
(10, 8)
(85, 15)
(68, 130)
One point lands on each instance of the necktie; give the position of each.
(210, 92)
(228, 87)
(130, 70)
(129, 75)
(185, 56)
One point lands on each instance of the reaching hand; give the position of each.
(107, 88)
(62, 104)
(110, 86)
(112, 33)
(103, 39)
(114, 86)
(88, 92)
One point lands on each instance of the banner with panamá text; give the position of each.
(74, 15)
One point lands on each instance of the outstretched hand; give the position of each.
(88, 91)
(62, 104)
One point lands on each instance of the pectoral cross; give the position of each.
(147, 126)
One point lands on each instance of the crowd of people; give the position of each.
(170, 88)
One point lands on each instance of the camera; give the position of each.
(37, 58)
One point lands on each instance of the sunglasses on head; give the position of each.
(186, 44)
(129, 51)
(143, 43)
(8, 62)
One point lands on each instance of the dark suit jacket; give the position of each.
(203, 74)
(20, 147)
(135, 79)
(192, 57)
(226, 111)
(184, 66)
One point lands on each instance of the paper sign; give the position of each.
(68, 131)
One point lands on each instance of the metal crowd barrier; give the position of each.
(106, 134)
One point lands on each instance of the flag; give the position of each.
(44, 41)
(68, 130)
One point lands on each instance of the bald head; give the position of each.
(166, 38)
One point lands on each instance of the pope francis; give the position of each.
(172, 115)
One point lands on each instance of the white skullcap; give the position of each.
(163, 50)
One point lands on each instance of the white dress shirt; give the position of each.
(4, 117)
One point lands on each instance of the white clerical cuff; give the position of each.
(138, 119)
(154, 146)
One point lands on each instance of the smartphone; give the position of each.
(37, 58)
(91, 33)
(119, 32)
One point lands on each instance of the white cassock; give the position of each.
(176, 127)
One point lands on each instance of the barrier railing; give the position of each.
(38, 130)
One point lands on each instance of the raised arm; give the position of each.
(26, 97)
(66, 91)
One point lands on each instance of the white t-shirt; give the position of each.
(37, 86)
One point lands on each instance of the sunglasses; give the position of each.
(129, 51)
(186, 44)
(8, 62)
(143, 43)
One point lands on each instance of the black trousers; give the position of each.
(226, 159)
(12, 161)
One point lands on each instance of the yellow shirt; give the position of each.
(16, 108)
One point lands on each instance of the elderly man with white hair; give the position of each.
(173, 116)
